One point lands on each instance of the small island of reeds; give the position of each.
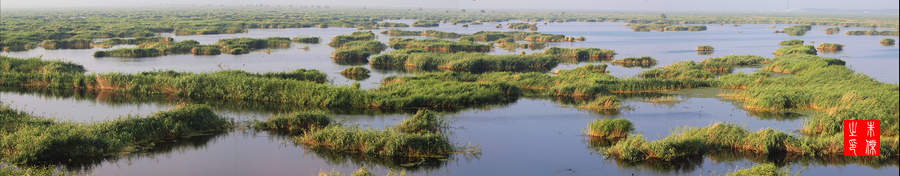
(529, 26)
(355, 73)
(887, 41)
(796, 30)
(830, 47)
(312, 40)
(425, 23)
(704, 48)
(872, 32)
(643, 62)
(791, 42)
(796, 49)
(664, 27)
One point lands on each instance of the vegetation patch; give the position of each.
(704, 48)
(529, 26)
(312, 40)
(340, 40)
(792, 42)
(887, 41)
(438, 45)
(643, 62)
(665, 27)
(796, 49)
(610, 128)
(295, 123)
(415, 58)
(796, 30)
(872, 32)
(830, 47)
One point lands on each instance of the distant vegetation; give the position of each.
(873, 32)
(704, 48)
(796, 49)
(887, 41)
(792, 42)
(796, 30)
(830, 47)
(664, 27)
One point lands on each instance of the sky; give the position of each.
(602, 5)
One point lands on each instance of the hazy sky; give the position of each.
(625, 5)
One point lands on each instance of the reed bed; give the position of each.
(688, 141)
(246, 86)
(425, 23)
(206, 50)
(796, 30)
(229, 45)
(796, 49)
(129, 52)
(339, 40)
(25, 141)
(664, 27)
(438, 45)
(872, 32)
(529, 26)
(390, 24)
(312, 40)
(643, 62)
(464, 61)
(826, 85)
(791, 42)
(358, 50)
(433, 33)
(738, 60)
(887, 41)
(601, 103)
(38, 65)
(609, 128)
(830, 47)
(761, 169)
(356, 73)
(704, 48)
(73, 43)
(133, 41)
(419, 136)
(832, 30)
(584, 70)
(295, 123)
(585, 53)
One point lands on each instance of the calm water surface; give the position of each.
(527, 137)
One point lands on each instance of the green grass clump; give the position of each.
(132, 41)
(872, 32)
(797, 63)
(424, 121)
(530, 26)
(791, 42)
(386, 142)
(887, 41)
(602, 103)
(643, 62)
(438, 45)
(37, 65)
(339, 40)
(663, 27)
(796, 49)
(129, 52)
(356, 73)
(294, 123)
(425, 23)
(580, 53)
(229, 45)
(313, 40)
(761, 169)
(635, 148)
(610, 128)
(60, 140)
(464, 61)
(832, 30)
(686, 70)
(704, 48)
(73, 43)
(738, 60)
(830, 47)
(358, 50)
(390, 24)
(206, 50)
(584, 70)
(796, 30)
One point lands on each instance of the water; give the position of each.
(527, 137)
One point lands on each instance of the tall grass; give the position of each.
(464, 61)
(610, 128)
(358, 50)
(872, 32)
(419, 136)
(438, 45)
(796, 49)
(791, 42)
(761, 169)
(830, 47)
(589, 53)
(295, 123)
(425, 23)
(339, 40)
(38, 65)
(643, 62)
(356, 73)
(887, 41)
(313, 40)
(704, 48)
(796, 30)
(60, 140)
